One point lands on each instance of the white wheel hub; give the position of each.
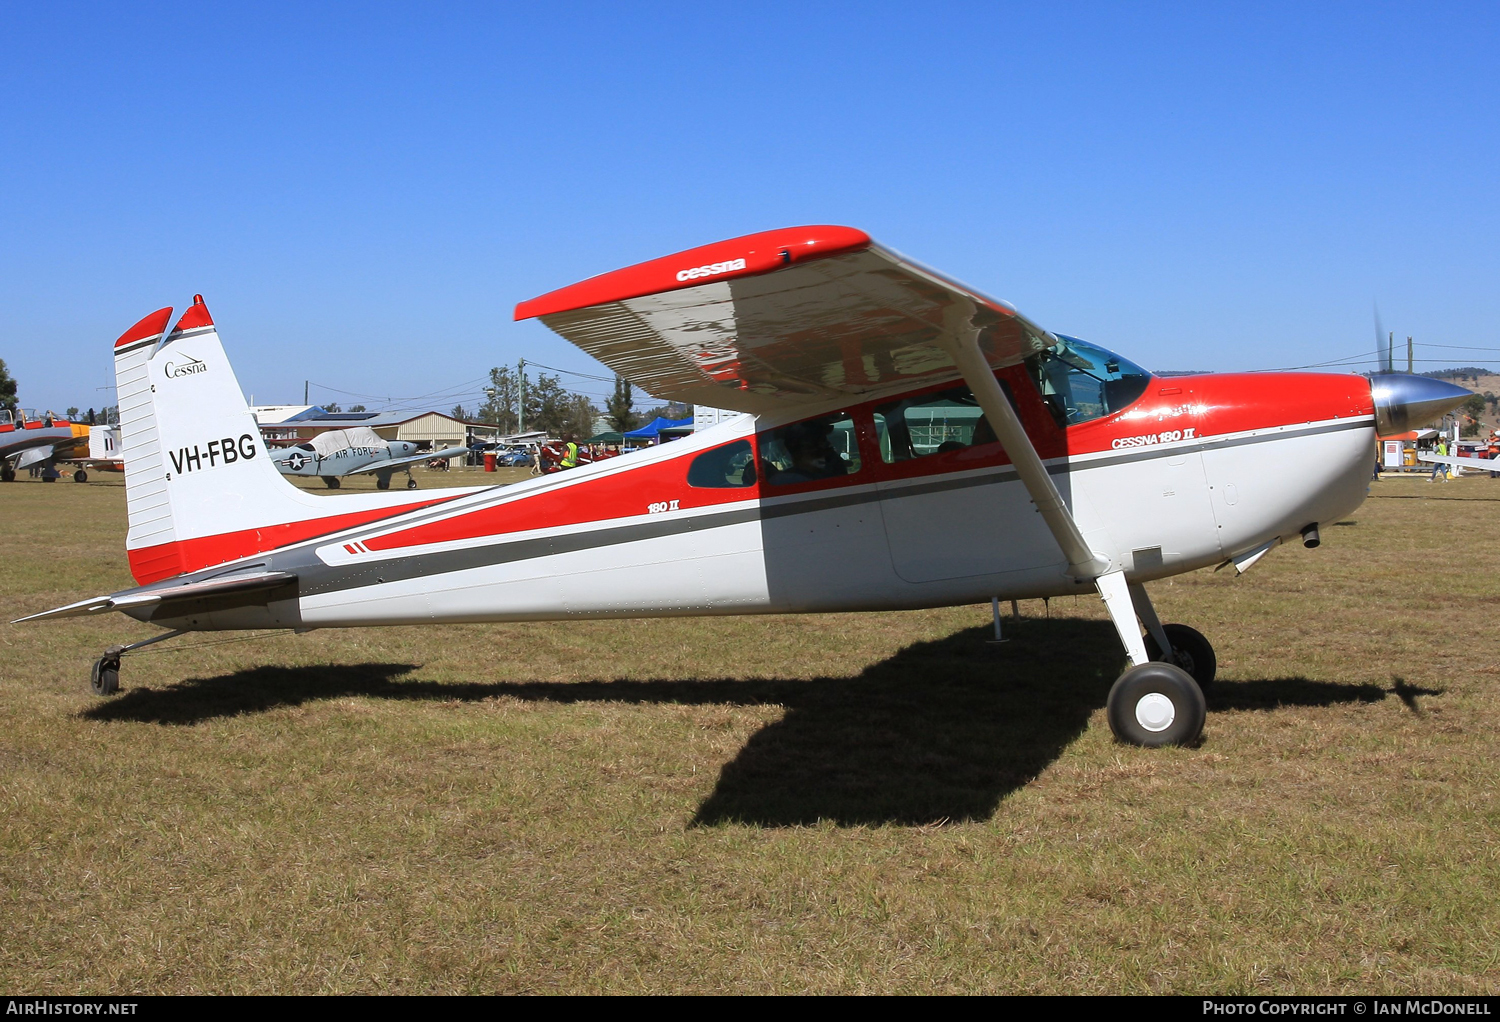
(1155, 712)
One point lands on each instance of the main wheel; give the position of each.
(80, 476)
(105, 678)
(332, 482)
(411, 484)
(383, 483)
(1190, 651)
(1156, 704)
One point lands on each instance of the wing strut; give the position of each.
(961, 339)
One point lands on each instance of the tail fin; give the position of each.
(199, 484)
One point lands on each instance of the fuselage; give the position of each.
(305, 460)
(921, 508)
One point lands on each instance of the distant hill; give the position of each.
(1474, 373)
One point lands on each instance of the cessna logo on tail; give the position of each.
(711, 270)
(192, 459)
(188, 368)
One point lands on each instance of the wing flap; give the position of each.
(822, 322)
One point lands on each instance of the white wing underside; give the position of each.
(850, 324)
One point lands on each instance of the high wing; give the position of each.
(804, 316)
(238, 582)
(390, 463)
(774, 320)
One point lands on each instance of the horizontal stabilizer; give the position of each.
(236, 583)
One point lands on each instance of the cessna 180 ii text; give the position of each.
(911, 443)
(358, 451)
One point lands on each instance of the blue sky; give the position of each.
(363, 192)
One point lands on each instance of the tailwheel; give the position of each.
(1190, 651)
(105, 678)
(411, 484)
(1156, 704)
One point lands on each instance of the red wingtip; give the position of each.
(150, 326)
(724, 260)
(196, 316)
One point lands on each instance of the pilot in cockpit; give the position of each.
(811, 454)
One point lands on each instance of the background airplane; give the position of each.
(356, 451)
(103, 453)
(911, 443)
(27, 441)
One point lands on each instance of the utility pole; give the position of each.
(304, 392)
(1408, 356)
(521, 402)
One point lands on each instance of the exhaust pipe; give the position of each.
(1310, 537)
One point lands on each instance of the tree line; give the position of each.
(552, 408)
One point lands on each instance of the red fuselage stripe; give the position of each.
(165, 560)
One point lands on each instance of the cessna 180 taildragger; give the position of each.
(911, 443)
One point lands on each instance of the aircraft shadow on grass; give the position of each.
(941, 730)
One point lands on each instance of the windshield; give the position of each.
(1081, 381)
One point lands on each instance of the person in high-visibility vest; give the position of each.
(570, 452)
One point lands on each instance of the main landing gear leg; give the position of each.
(104, 680)
(1150, 704)
(1175, 644)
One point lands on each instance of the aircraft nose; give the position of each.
(1405, 402)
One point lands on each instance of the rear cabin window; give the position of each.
(821, 448)
(949, 420)
(730, 466)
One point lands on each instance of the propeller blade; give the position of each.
(1383, 344)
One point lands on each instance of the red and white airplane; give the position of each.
(911, 443)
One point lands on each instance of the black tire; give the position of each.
(383, 483)
(1190, 651)
(332, 482)
(105, 678)
(80, 476)
(1156, 704)
(411, 484)
(7, 476)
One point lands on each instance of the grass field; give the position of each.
(853, 803)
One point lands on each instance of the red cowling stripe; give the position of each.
(154, 563)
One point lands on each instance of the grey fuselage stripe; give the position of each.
(315, 577)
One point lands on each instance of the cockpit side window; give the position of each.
(822, 448)
(1080, 382)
